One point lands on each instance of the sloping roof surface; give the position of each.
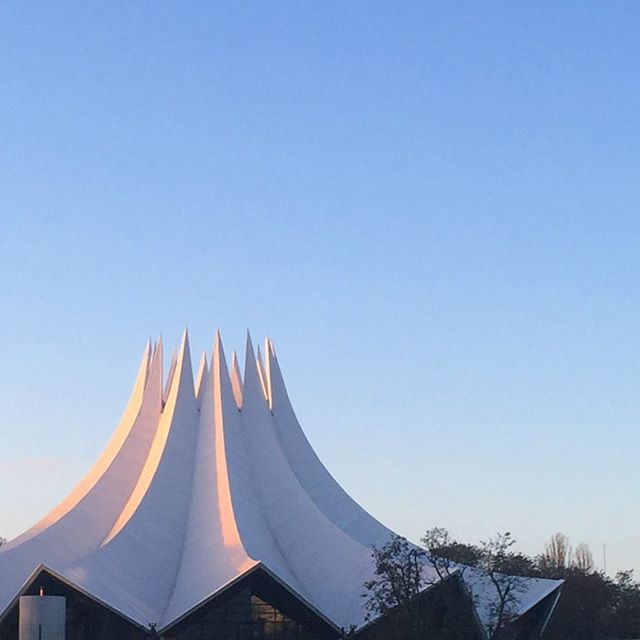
(199, 484)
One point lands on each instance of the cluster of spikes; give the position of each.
(254, 358)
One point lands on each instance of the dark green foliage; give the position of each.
(460, 553)
(595, 607)
(591, 606)
(625, 614)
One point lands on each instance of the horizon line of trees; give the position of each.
(592, 605)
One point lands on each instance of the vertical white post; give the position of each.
(42, 618)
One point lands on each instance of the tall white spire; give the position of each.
(200, 375)
(236, 380)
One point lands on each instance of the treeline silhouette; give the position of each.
(592, 605)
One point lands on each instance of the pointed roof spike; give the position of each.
(217, 355)
(212, 549)
(274, 376)
(236, 380)
(262, 374)
(249, 354)
(184, 361)
(180, 412)
(220, 373)
(146, 362)
(253, 385)
(217, 345)
(170, 375)
(181, 360)
(156, 371)
(218, 352)
(202, 370)
(158, 344)
(157, 361)
(267, 372)
(223, 370)
(142, 375)
(249, 357)
(184, 341)
(158, 348)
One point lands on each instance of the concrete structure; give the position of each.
(204, 483)
(42, 618)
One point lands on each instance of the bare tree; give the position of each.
(582, 558)
(399, 576)
(495, 558)
(401, 606)
(398, 580)
(436, 541)
(557, 554)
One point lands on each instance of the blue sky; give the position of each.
(432, 208)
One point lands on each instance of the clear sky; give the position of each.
(432, 208)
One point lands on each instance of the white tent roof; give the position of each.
(199, 485)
